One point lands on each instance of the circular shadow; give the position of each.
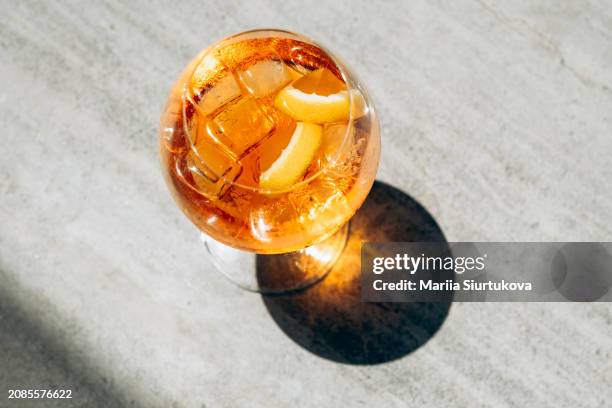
(330, 319)
(582, 271)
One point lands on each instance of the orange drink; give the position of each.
(268, 143)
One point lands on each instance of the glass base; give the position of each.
(295, 270)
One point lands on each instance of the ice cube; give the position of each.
(211, 166)
(265, 77)
(241, 125)
(320, 204)
(343, 148)
(236, 202)
(207, 182)
(208, 68)
(214, 155)
(334, 143)
(274, 217)
(213, 85)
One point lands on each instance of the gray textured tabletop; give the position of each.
(496, 117)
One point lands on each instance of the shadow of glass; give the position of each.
(330, 319)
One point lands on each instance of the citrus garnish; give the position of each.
(317, 97)
(294, 160)
(312, 107)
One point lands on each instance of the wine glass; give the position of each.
(269, 145)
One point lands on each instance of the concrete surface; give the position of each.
(496, 116)
(31, 361)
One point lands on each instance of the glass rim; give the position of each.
(300, 37)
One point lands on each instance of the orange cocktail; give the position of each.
(268, 144)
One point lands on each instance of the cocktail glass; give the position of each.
(269, 145)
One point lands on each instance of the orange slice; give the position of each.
(319, 97)
(312, 107)
(294, 160)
